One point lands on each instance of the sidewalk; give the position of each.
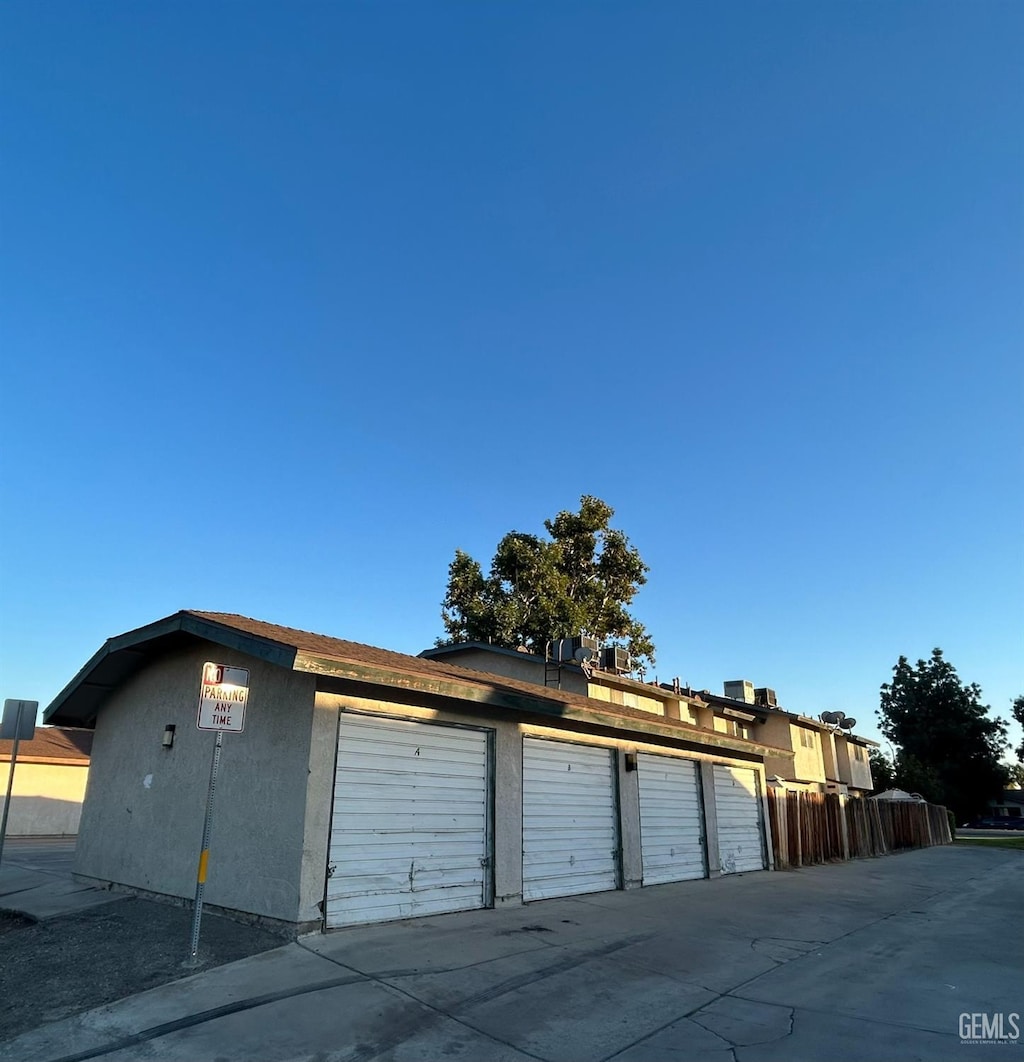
(72, 948)
(35, 880)
(874, 959)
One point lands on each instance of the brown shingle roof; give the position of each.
(355, 652)
(52, 743)
(335, 648)
(340, 649)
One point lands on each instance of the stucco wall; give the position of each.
(808, 765)
(523, 666)
(46, 799)
(860, 770)
(775, 731)
(828, 754)
(843, 759)
(630, 698)
(142, 820)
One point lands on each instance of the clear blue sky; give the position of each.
(298, 298)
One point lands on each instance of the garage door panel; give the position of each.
(443, 774)
(570, 831)
(396, 863)
(409, 830)
(595, 821)
(365, 909)
(424, 881)
(554, 840)
(740, 826)
(427, 764)
(425, 783)
(427, 822)
(671, 819)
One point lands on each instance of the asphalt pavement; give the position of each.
(876, 959)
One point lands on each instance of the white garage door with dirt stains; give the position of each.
(409, 830)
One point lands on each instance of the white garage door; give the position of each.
(671, 819)
(570, 836)
(738, 805)
(409, 829)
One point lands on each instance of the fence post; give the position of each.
(844, 826)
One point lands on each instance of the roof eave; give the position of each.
(522, 702)
(77, 703)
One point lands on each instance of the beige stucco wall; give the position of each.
(523, 666)
(46, 799)
(860, 770)
(828, 754)
(843, 759)
(804, 763)
(808, 764)
(775, 731)
(142, 819)
(628, 698)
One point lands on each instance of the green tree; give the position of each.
(579, 580)
(949, 747)
(904, 772)
(1018, 714)
(883, 773)
(1015, 774)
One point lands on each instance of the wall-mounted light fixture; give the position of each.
(168, 738)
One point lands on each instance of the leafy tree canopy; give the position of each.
(579, 581)
(904, 772)
(949, 746)
(883, 773)
(1018, 714)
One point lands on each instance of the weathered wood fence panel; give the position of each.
(810, 828)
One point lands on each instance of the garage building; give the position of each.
(369, 785)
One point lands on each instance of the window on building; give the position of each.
(859, 753)
(806, 738)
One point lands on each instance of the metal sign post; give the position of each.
(19, 722)
(204, 854)
(223, 696)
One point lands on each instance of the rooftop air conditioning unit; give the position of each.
(740, 690)
(579, 650)
(615, 658)
(765, 697)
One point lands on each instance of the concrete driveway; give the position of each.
(875, 959)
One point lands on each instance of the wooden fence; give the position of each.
(812, 828)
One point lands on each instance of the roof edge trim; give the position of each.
(494, 696)
(187, 622)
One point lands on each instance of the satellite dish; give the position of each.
(831, 718)
(583, 655)
(848, 724)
